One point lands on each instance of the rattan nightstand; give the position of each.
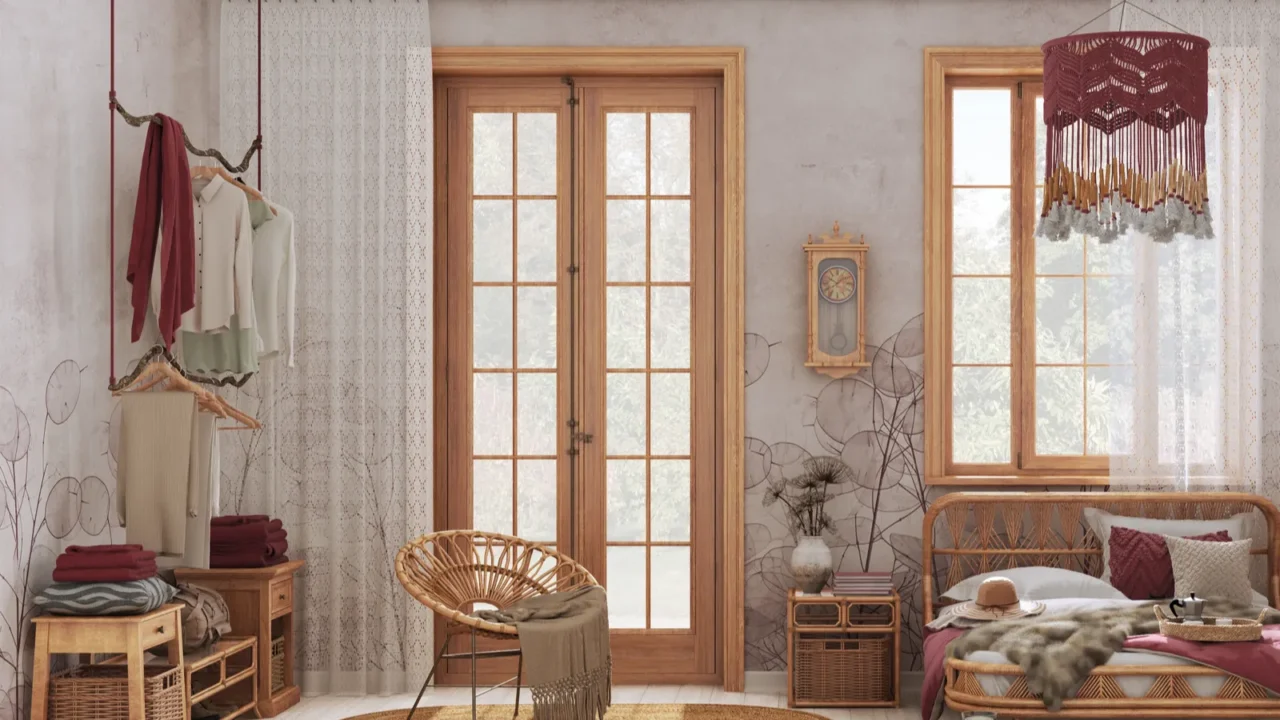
(843, 651)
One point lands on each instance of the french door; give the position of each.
(579, 307)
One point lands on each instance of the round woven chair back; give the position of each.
(457, 571)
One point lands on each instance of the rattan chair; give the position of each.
(454, 571)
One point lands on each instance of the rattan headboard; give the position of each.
(967, 534)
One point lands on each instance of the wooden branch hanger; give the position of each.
(156, 369)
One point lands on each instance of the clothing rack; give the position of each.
(114, 106)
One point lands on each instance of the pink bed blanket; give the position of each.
(1257, 662)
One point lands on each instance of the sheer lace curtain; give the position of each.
(1197, 404)
(344, 458)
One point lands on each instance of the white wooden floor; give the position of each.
(333, 707)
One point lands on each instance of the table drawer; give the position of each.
(160, 630)
(281, 596)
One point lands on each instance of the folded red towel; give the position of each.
(105, 574)
(245, 560)
(248, 532)
(95, 549)
(231, 520)
(128, 559)
(271, 549)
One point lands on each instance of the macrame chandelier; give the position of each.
(1126, 114)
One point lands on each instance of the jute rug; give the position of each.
(617, 712)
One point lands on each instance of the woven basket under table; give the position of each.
(101, 692)
(277, 665)
(843, 669)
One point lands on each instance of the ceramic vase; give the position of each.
(811, 563)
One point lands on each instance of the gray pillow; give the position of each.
(1211, 569)
(135, 597)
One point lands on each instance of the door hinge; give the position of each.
(1019, 459)
(1019, 90)
(572, 269)
(582, 437)
(573, 101)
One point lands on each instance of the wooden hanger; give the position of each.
(160, 371)
(209, 171)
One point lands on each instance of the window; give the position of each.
(1021, 333)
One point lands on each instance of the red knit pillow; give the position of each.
(1140, 564)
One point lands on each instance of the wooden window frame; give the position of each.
(944, 67)
(728, 64)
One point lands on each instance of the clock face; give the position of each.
(837, 284)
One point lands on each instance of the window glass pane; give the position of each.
(626, 347)
(537, 327)
(671, 498)
(491, 154)
(624, 234)
(491, 414)
(981, 332)
(627, 500)
(1110, 410)
(981, 136)
(491, 240)
(491, 327)
(627, 586)
(670, 150)
(1111, 322)
(625, 151)
(536, 416)
(625, 420)
(981, 222)
(980, 403)
(670, 592)
(671, 408)
(537, 247)
(536, 158)
(1059, 411)
(536, 488)
(491, 496)
(669, 235)
(1060, 320)
(1064, 257)
(1113, 258)
(672, 315)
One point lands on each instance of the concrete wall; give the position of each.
(834, 132)
(56, 475)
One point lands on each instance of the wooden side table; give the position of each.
(261, 605)
(130, 635)
(843, 651)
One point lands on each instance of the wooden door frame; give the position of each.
(726, 63)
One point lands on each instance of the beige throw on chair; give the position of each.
(156, 434)
(564, 638)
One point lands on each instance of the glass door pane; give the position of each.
(514, 323)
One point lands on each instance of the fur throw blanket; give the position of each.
(1057, 653)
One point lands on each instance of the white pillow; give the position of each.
(1040, 583)
(1101, 522)
(1260, 600)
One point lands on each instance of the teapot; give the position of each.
(1193, 608)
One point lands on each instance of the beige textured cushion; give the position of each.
(1211, 569)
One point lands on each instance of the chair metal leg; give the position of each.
(473, 674)
(519, 675)
(443, 646)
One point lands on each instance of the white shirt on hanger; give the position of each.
(274, 263)
(224, 259)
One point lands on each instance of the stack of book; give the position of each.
(862, 583)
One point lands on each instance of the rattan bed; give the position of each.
(967, 534)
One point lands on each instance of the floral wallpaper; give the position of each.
(874, 422)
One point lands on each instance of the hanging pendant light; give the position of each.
(1126, 114)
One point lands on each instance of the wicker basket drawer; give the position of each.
(277, 665)
(94, 692)
(840, 668)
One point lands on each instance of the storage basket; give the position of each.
(101, 692)
(1239, 630)
(843, 669)
(277, 664)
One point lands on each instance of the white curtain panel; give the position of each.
(1194, 393)
(345, 456)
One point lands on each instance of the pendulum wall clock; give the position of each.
(836, 269)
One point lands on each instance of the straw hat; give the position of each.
(997, 600)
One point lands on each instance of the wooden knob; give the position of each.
(281, 596)
(160, 630)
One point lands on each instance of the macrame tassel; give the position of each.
(1126, 119)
